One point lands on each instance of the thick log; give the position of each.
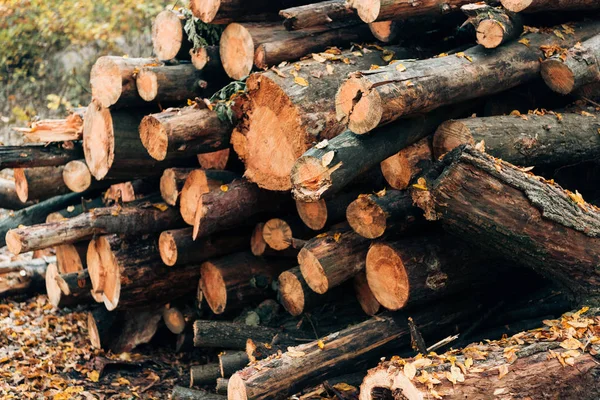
(205, 374)
(29, 156)
(137, 219)
(225, 11)
(39, 183)
(8, 196)
(295, 294)
(283, 119)
(229, 335)
(518, 215)
(373, 98)
(364, 295)
(493, 25)
(187, 131)
(232, 205)
(580, 66)
(235, 280)
(328, 261)
(316, 14)
(182, 393)
(56, 130)
(400, 169)
(171, 184)
(169, 40)
(169, 84)
(316, 174)
(23, 277)
(317, 214)
(548, 5)
(386, 10)
(232, 361)
(372, 215)
(178, 248)
(553, 139)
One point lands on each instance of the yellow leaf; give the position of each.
(410, 371)
(94, 376)
(321, 235)
(442, 55)
(469, 362)
(224, 188)
(559, 34)
(300, 81)
(373, 67)
(329, 69)
(469, 58)
(357, 53)
(318, 58)
(337, 236)
(435, 394)
(191, 102)
(571, 344)
(502, 371)
(381, 193)
(387, 55)
(161, 206)
(344, 387)
(70, 208)
(400, 68)
(346, 60)
(422, 363)
(524, 41)
(321, 344)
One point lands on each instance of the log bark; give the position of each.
(283, 119)
(187, 131)
(401, 168)
(364, 295)
(518, 215)
(372, 215)
(493, 25)
(226, 11)
(527, 6)
(205, 374)
(182, 393)
(221, 387)
(386, 10)
(39, 183)
(233, 281)
(316, 14)
(229, 335)
(316, 215)
(580, 66)
(169, 40)
(23, 277)
(134, 220)
(373, 98)
(232, 361)
(178, 248)
(8, 196)
(328, 261)
(113, 81)
(173, 84)
(215, 159)
(315, 175)
(29, 156)
(554, 139)
(56, 130)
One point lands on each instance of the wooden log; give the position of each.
(208, 60)
(135, 220)
(493, 25)
(232, 361)
(317, 214)
(56, 130)
(298, 116)
(328, 261)
(518, 215)
(540, 140)
(225, 11)
(205, 374)
(386, 10)
(373, 98)
(364, 295)
(68, 290)
(113, 81)
(39, 183)
(182, 393)
(69, 257)
(197, 183)
(386, 31)
(315, 175)
(137, 190)
(295, 294)
(316, 14)
(565, 73)
(221, 387)
(234, 280)
(215, 159)
(171, 184)
(178, 248)
(257, 351)
(372, 215)
(169, 40)
(183, 132)
(259, 247)
(8, 196)
(178, 319)
(528, 6)
(170, 84)
(531, 364)
(400, 169)
(29, 156)
(232, 205)
(229, 335)
(23, 277)
(282, 234)
(78, 178)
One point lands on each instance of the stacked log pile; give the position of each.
(275, 186)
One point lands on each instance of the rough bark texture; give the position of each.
(373, 98)
(168, 36)
(205, 374)
(222, 334)
(173, 84)
(41, 183)
(232, 361)
(182, 393)
(386, 10)
(315, 14)
(400, 169)
(493, 25)
(547, 5)
(29, 156)
(8, 196)
(225, 11)
(23, 277)
(364, 295)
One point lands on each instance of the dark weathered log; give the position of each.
(315, 14)
(132, 220)
(289, 110)
(386, 10)
(39, 183)
(29, 156)
(364, 295)
(493, 25)
(68, 290)
(225, 11)
(169, 40)
(521, 216)
(56, 130)
(317, 214)
(183, 132)
(295, 294)
(399, 169)
(8, 196)
(548, 5)
(234, 280)
(554, 139)
(232, 361)
(170, 84)
(182, 393)
(324, 170)
(580, 66)
(221, 387)
(373, 98)
(205, 374)
(372, 215)
(229, 335)
(23, 277)
(257, 351)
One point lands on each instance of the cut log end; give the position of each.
(13, 241)
(154, 137)
(147, 84)
(199, 57)
(490, 33)
(167, 247)
(313, 214)
(77, 176)
(516, 5)
(167, 34)
(292, 293)
(367, 10)
(174, 320)
(361, 106)
(21, 185)
(558, 76)
(195, 186)
(214, 160)
(257, 241)
(214, 288)
(313, 271)
(106, 82)
(278, 234)
(168, 187)
(366, 218)
(98, 139)
(104, 272)
(450, 135)
(260, 57)
(236, 388)
(383, 30)
(397, 171)
(205, 10)
(52, 287)
(309, 179)
(236, 48)
(387, 276)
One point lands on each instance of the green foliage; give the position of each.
(200, 33)
(223, 99)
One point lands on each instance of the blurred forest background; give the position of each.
(47, 48)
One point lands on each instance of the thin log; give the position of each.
(215, 159)
(373, 98)
(401, 168)
(259, 247)
(282, 234)
(205, 374)
(182, 393)
(168, 84)
(316, 215)
(386, 31)
(169, 40)
(23, 277)
(56, 130)
(295, 294)
(78, 178)
(493, 25)
(386, 10)
(207, 59)
(39, 183)
(532, 6)
(316, 14)
(225, 11)
(171, 184)
(232, 361)
(223, 334)
(29, 156)
(68, 290)
(176, 320)
(8, 196)
(364, 295)
(138, 189)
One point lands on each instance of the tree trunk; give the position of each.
(373, 98)
(316, 175)
(317, 214)
(316, 14)
(169, 40)
(23, 277)
(372, 215)
(226, 11)
(177, 319)
(232, 361)
(8, 196)
(401, 168)
(364, 295)
(578, 67)
(68, 290)
(205, 374)
(29, 156)
(184, 132)
(178, 248)
(39, 183)
(173, 84)
(221, 387)
(229, 335)
(548, 5)
(56, 130)
(553, 139)
(141, 190)
(386, 10)
(493, 26)
(182, 393)
(283, 119)
(521, 216)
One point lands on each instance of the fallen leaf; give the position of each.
(321, 344)
(94, 376)
(400, 68)
(161, 206)
(327, 158)
(502, 371)
(524, 41)
(224, 188)
(571, 344)
(301, 81)
(410, 371)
